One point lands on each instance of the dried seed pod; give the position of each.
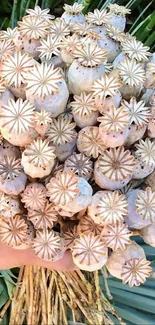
(117, 236)
(81, 165)
(13, 231)
(135, 271)
(34, 196)
(87, 225)
(44, 218)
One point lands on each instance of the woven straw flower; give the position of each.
(75, 9)
(98, 17)
(111, 208)
(106, 86)
(116, 163)
(117, 236)
(17, 116)
(138, 113)
(10, 168)
(45, 218)
(146, 151)
(135, 271)
(42, 79)
(89, 142)
(145, 204)
(48, 245)
(42, 118)
(33, 27)
(114, 119)
(15, 67)
(49, 47)
(63, 188)
(61, 131)
(135, 50)
(115, 33)
(89, 252)
(59, 29)
(69, 236)
(34, 196)
(118, 10)
(13, 231)
(131, 73)
(87, 226)
(38, 12)
(90, 55)
(81, 29)
(6, 49)
(84, 104)
(79, 164)
(10, 34)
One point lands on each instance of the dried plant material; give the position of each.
(98, 17)
(63, 188)
(114, 119)
(87, 225)
(115, 33)
(42, 118)
(33, 27)
(2, 86)
(42, 80)
(81, 29)
(61, 131)
(90, 55)
(10, 168)
(9, 35)
(75, 9)
(4, 202)
(16, 117)
(115, 9)
(69, 236)
(145, 204)
(6, 49)
(146, 151)
(117, 236)
(89, 252)
(89, 142)
(116, 163)
(131, 73)
(138, 113)
(135, 271)
(151, 68)
(79, 164)
(59, 29)
(44, 218)
(70, 43)
(84, 104)
(34, 196)
(136, 50)
(49, 47)
(38, 12)
(13, 231)
(106, 86)
(48, 245)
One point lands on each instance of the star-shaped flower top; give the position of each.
(81, 29)
(135, 271)
(87, 225)
(61, 131)
(33, 27)
(37, 11)
(118, 10)
(17, 116)
(59, 29)
(10, 34)
(115, 33)
(45, 218)
(106, 86)
(6, 49)
(90, 55)
(145, 204)
(131, 73)
(10, 168)
(116, 163)
(75, 9)
(42, 118)
(89, 142)
(69, 236)
(138, 113)
(15, 68)
(84, 104)
(42, 79)
(79, 164)
(63, 188)
(136, 50)
(114, 119)
(117, 236)
(70, 43)
(98, 17)
(34, 196)
(49, 47)
(146, 151)
(13, 231)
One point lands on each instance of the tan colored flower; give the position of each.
(61, 131)
(6, 49)
(42, 118)
(116, 163)
(63, 188)
(131, 73)
(75, 9)
(106, 86)
(89, 54)
(118, 10)
(45, 218)
(10, 168)
(135, 271)
(115, 33)
(69, 236)
(146, 151)
(59, 29)
(17, 116)
(118, 236)
(33, 27)
(49, 47)
(42, 79)
(81, 29)
(84, 104)
(136, 50)
(87, 225)
(98, 17)
(79, 164)
(145, 204)
(138, 113)
(34, 196)
(38, 12)
(89, 142)
(13, 231)
(70, 43)
(10, 34)
(114, 119)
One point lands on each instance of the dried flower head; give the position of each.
(48, 245)
(135, 271)
(106, 86)
(59, 29)
(87, 225)
(111, 208)
(146, 151)
(49, 47)
(79, 164)
(84, 104)
(116, 163)
(17, 116)
(131, 72)
(138, 113)
(89, 252)
(42, 79)
(15, 67)
(34, 196)
(43, 14)
(136, 50)
(61, 131)
(89, 54)
(13, 231)
(89, 142)
(63, 188)
(81, 29)
(117, 236)
(44, 218)
(10, 168)
(118, 10)
(114, 119)
(42, 118)
(98, 17)
(75, 9)
(33, 27)
(145, 204)
(10, 34)
(115, 33)
(69, 43)
(6, 49)
(69, 236)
